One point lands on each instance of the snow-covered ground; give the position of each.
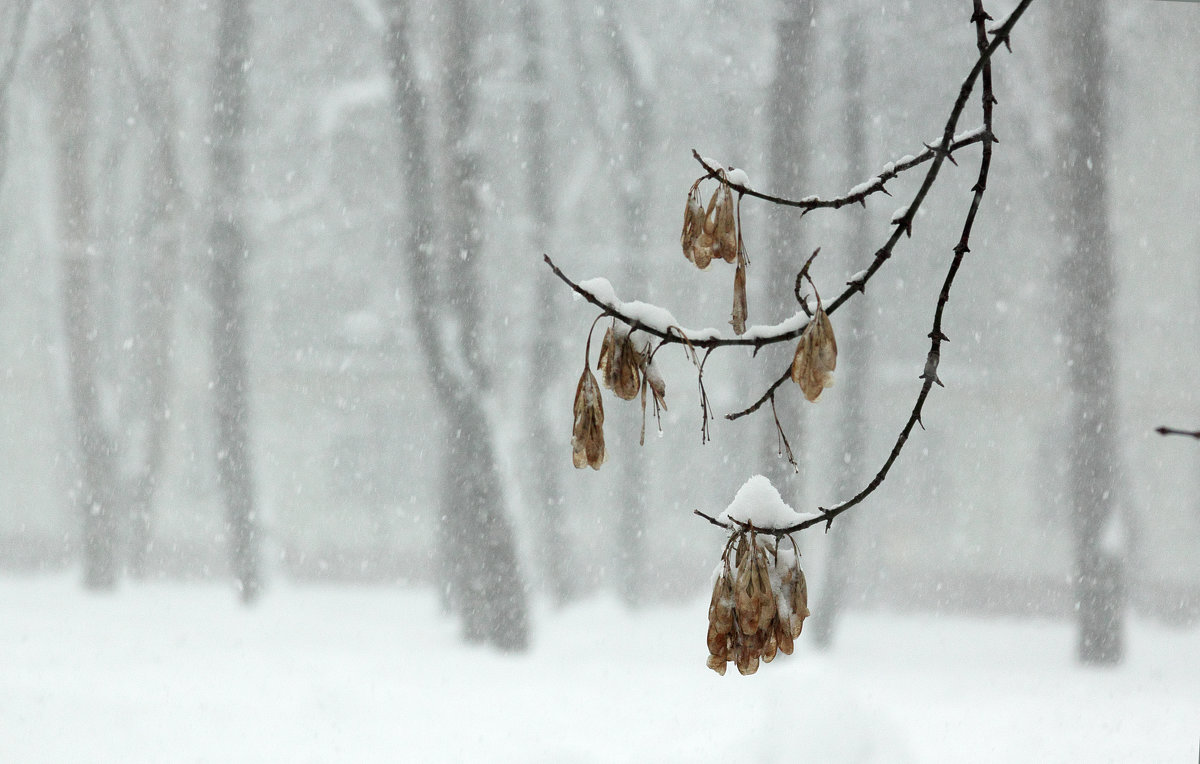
(180, 672)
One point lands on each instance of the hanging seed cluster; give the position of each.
(816, 356)
(715, 233)
(627, 369)
(759, 603)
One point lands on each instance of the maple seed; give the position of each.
(587, 436)
(620, 363)
(816, 356)
(738, 318)
(758, 609)
(724, 222)
(693, 223)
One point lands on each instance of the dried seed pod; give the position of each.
(771, 646)
(740, 313)
(717, 664)
(816, 356)
(656, 383)
(799, 597)
(762, 576)
(749, 592)
(693, 222)
(783, 637)
(747, 663)
(724, 217)
(620, 363)
(587, 435)
(720, 609)
(703, 250)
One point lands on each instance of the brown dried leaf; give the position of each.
(587, 435)
(816, 357)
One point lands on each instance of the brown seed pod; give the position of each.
(587, 435)
(717, 664)
(740, 313)
(783, 637)
(724, 222)
(748, 592)
(693, 222)
(720, 609)
(816, 356)
(620, 363)
(702, 250)
(747, 663)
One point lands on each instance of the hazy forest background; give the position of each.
(275, 304)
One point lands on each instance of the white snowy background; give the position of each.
(958, 642)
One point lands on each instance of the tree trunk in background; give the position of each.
(1088, 286)
(545, 446)
(8, 70)
(95, 444)
(477, 548)
(851, 325)
(227, 240)
(632, 188)
(788, 148)
(159, 239)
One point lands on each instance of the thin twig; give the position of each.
(671, 334)
(875, 185)
(1172, 431)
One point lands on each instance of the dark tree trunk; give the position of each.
(852, 365)
(476, 545)
(1088, 286)
(228, 243)
(788, 152)
(95, 444)
(545, 452)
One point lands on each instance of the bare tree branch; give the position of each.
(1172, 431)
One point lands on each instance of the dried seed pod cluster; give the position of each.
(715, 233)
(627, 369)
(816, 356)
(759, 603)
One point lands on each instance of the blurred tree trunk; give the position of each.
(788, 151)
(1088, 285)
(476, 544)
(159, 240)
(97, 494)
(545, 451)
(8, 70)
(632, 188)
(229, 250)
(852, 326)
